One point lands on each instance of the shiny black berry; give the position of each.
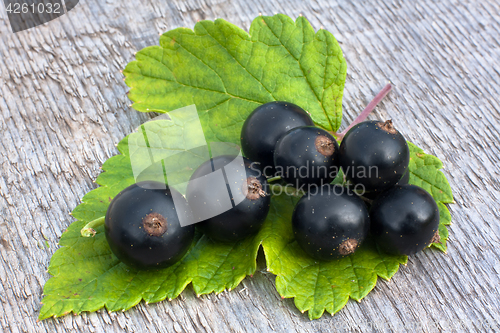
(404, 219)
(263, 128)
(306, 155)
(229, 197)
(143, 229)
(374, 155)
(331, 223)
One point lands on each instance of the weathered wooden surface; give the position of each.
(63, 107)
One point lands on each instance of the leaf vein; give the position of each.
(196, 87)
(241, 65)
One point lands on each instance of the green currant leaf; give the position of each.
(224, 70)
(425, 172)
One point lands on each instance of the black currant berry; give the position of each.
(143, 229)
(331, 223)
(404, 219)
(229, 197)
(374, 155)
(263, 128)
(306, 155)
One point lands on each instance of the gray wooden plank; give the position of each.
(63, 107)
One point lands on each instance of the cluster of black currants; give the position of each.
(228, 197)
(332, 221)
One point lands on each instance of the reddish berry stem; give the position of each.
(369, 108)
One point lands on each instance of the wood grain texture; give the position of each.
(63, 108)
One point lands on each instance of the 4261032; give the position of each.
(24, 8)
